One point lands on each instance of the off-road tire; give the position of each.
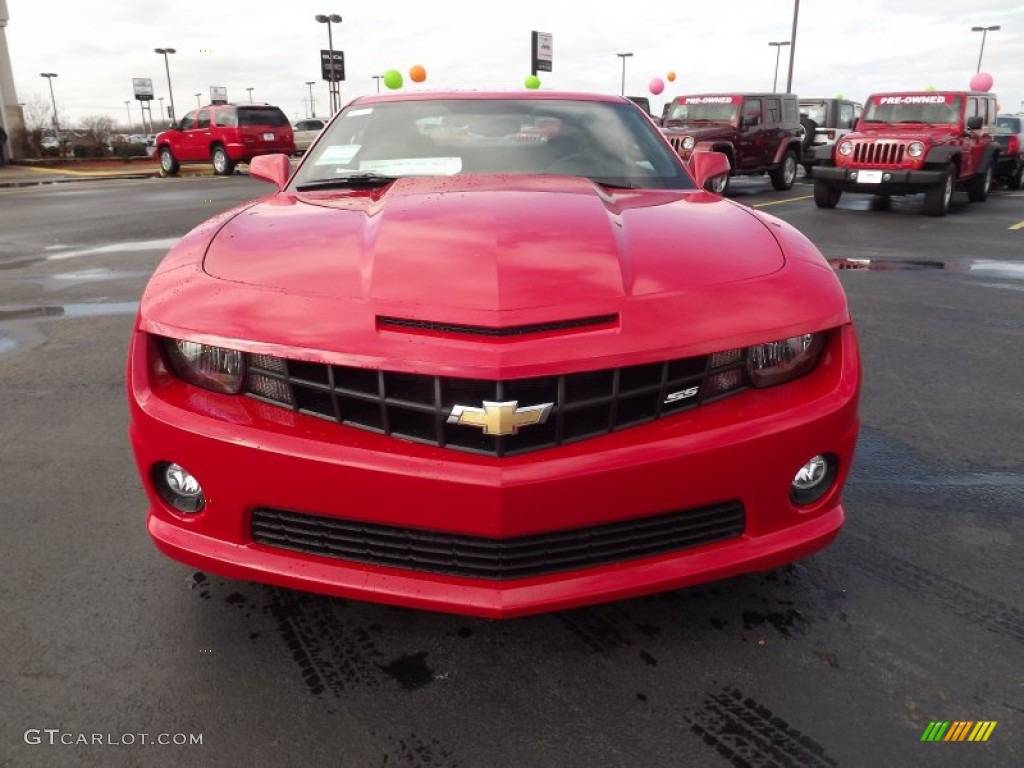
(938, 198)
(825, 195)
(784, 176)
(979, 185)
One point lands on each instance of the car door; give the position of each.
(185, 149)
(201, 136)
(750, 142)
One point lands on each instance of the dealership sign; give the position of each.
(339, 65)
(542, 51)
(143, 87)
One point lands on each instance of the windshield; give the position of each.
(1006, 126)
(717, 109)
(612, 144)
(933, 109)
(261, 116)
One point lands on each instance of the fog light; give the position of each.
(886, 177)
(853, 175)
(179, 487)
(813, 479)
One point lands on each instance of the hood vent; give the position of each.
(428, 326)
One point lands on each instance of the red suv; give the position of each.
(224, 134)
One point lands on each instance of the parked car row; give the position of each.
(934, 142)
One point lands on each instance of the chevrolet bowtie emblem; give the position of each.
(500, 418)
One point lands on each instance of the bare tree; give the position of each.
(38, 118)
(98, 129)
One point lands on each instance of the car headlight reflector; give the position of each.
(915, 149)
(780, 361)
(214, 368)
(688, 142)
(845, 148)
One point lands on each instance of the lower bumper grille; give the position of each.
(497, 559)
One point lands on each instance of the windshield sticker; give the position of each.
(709, 99)
(931, 99)
(338, 154)
(360, 112)
(414, 166)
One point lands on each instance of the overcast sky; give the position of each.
(850, 48)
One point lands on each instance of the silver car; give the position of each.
(306, 132)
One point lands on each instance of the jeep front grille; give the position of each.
(879, 153)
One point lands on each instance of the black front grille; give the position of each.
(497, 559)
(417, 407)
(489, 331)
(879, 153)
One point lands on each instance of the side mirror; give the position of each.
(974, 123)
(706, 166)
(751, 121)
(273, 168)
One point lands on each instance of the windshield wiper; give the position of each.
(364, 179)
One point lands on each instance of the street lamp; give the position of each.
(336, 19)
(377, 78)
(167, 66)
(792, 51)
(778, 49)
(984, 33)
(250, 94)
(56, 125)
(162, 113)
(312, 103)
(198, 103)
(623, 56)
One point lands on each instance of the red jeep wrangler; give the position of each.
(931, 142)
(759, 133)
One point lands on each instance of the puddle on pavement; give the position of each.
(982, 267)
(95, 309)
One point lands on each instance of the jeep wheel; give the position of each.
(222, 164)
(937, 199)
(979, 185)
(168, 165)
(826, 196)
(1014, 182)
(720, 184)
(784, 176)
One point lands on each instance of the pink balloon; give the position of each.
(657, 85)
(982, 81)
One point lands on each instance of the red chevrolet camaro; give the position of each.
(492, 354)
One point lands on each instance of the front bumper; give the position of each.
(248, 455)
(901, 182)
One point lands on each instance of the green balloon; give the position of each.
(840, 96)
(393, 79)
(930, 88)
(532, 82)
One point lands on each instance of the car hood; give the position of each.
(909, 132)
(480, 243)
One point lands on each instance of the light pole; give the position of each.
(127, 105)
(167, 66)
(198, 103)
(377, 78)
(56, 125)
(778, 49)
(792, 51)
(623, 56)
(250, 94)
(984, 32)
(312, 103)
(328, 19)
(162, 113)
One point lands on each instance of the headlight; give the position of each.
(214, 368)
(780, 361)
(916, 149)
(845, 148)
(688, 142)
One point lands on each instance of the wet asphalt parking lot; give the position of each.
(915, 614)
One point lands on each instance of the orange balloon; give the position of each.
(671, 77)
(417, 74)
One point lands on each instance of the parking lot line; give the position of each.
(1018, 225)
(780, 202)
